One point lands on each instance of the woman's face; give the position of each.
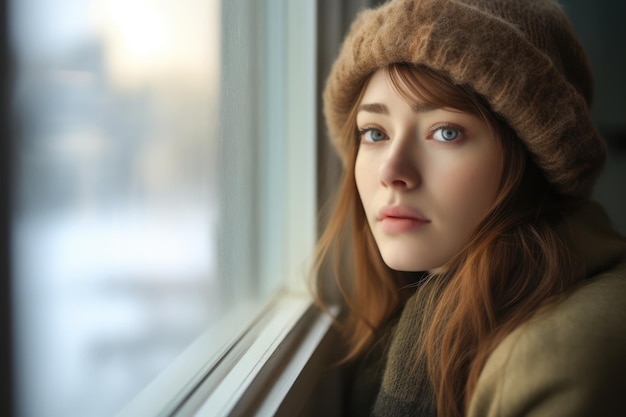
(426, 176)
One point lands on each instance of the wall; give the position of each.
(600, 27)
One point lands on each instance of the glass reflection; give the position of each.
(115, 209)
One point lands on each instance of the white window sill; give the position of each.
(269, 370)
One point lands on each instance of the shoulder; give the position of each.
(568, 361)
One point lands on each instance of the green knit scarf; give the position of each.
(406, 390)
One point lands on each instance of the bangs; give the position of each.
(417, 84)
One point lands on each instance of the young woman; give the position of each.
(484, 282)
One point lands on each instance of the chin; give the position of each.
(408, 263)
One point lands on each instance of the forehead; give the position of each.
(378, 85)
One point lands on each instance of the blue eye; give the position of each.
(372, 135)
(447, 134)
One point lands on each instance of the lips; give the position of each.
(400, 219)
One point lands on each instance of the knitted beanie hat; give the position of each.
(522, 56)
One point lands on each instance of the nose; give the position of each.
(399, 168)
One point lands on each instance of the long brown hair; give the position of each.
(514, 264)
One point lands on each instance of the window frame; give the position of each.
(266, 368)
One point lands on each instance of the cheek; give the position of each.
(471, 189)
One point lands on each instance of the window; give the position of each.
(163, 195)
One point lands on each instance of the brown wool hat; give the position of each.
(521, 55)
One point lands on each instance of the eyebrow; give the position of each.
(374, 108)
(382, 109)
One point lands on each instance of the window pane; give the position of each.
(136, 194)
